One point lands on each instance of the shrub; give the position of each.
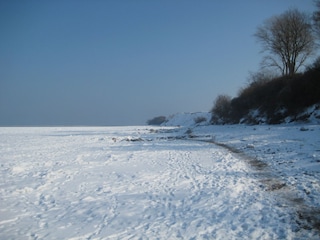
(221, 111)
(157, 120)
(199, 120)
(274, 100)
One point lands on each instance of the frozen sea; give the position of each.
(211, 182)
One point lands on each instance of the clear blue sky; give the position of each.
(122, 62)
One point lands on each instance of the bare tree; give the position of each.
(288, 39)
(316, 19)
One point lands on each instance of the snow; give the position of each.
(160, 183)
(188, 119)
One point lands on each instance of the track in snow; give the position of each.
(89, 184)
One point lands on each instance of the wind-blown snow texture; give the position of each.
(159, 183)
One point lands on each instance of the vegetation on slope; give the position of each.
(270, 100)
(289, 40)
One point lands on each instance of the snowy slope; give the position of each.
(156, 183)
(188, 119)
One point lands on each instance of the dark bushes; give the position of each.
(221, 111)
(199, 120)
(270, 101)
(157, 120)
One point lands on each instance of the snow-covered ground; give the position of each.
(256, 182)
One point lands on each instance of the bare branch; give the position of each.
(288, 39)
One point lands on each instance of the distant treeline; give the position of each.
(157, 120)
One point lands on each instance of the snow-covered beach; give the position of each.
(160, 182)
